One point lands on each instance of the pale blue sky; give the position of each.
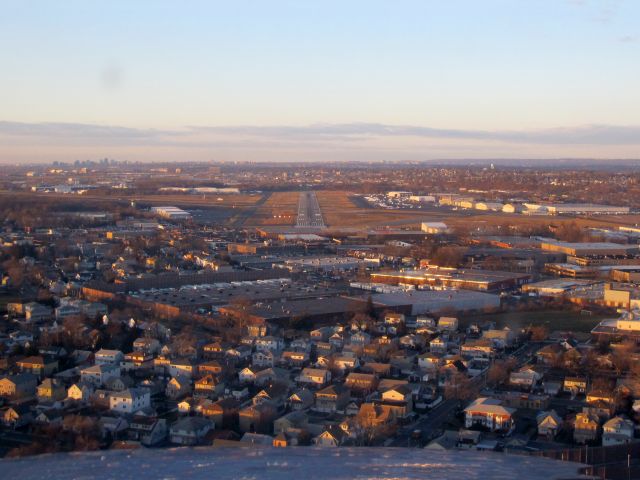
(478, 69)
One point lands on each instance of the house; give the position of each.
(449, 324)
(502, 338)
(17, 416)
(520, 400)
(276, 394)
(331, 436)
(117, 384)
(525, 378)
(207, 386)
(136, 360)
(548, 423)
(272, 375)
(188, 405)
(190, 430)
(50, 416)
(294, 358)
(239, 353)
(586, 428)
(314, 377)
(247, 375)
(377, 368)
(345, 362)
(257, 418)
(290, 421)
(336, 340)
(264, 358)
(399, 399)
(574, 385)
(600, 408)
(147, 345)
(99, 374)
(375, 415)
(36, 312)
(549, 354)
(301, 399)
(416, 342)
(39, 365)
(300, 344)
(214, 350)
(321, 334)
(178, 387)
(360, 338)
(212, 366)
(51, 390)
(617, 431)
(110, 357)
(100, 399)
(282, 440)
(257, 439)
(112, 426)
(269, 343)
(224, 412)
(392, 318)
(478, 348)
(18, 386)
(490, 413)
(130, 400)
(183, 368)
(79, 392)
(600, 395)
(361, 384)
(551, 386)
(332, 399)
(148, 431)
(438, 345)
(429, 360)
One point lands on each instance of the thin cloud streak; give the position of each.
(77, 133)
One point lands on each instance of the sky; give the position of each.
(323, 80)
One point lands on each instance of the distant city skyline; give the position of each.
(319, 81)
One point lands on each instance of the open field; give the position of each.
(280, 209)
(178, 200)
(339, 211)
(552, 319)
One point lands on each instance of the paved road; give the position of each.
(429, 424)
(309, 214)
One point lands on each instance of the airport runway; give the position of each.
(309, 214)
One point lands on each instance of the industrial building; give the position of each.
(588, 248)
(574, 209)
(434, 228)
(433, 301)
(481, 280)
(171, 213)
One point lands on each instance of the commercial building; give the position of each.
(171, 213)
(588, 248)
(481, 280)
(622, 296)
(574, 209)
(625, 327)
(434, 228)
(434, 301)
(322, 264)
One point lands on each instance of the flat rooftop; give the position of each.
(224, 293)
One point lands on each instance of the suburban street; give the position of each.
(429, 424)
